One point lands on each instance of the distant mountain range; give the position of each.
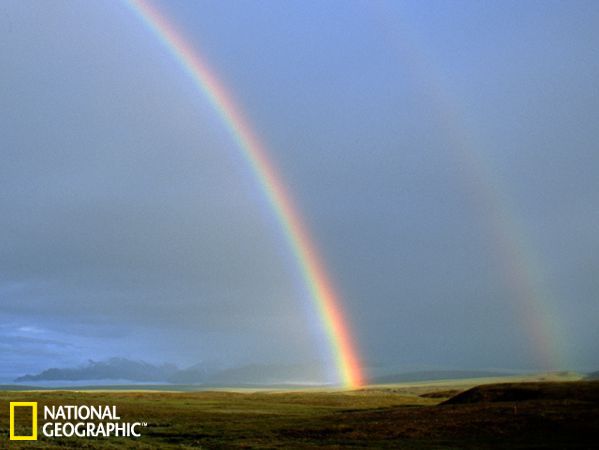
(111, 369)
(122, 369)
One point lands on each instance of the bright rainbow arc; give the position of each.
(312, 268)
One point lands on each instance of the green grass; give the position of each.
(210, 419)
(389, 416)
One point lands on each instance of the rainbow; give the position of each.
(326, 301)
(533, 302)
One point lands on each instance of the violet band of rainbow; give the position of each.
(314, 273)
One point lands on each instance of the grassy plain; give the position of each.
(414, 416)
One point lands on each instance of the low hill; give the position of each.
(582, 391)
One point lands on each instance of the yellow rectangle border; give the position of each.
(33, 436)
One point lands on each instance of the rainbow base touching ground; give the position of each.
(310, 264)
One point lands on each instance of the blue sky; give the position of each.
(132, 227)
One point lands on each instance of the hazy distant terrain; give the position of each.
(424, 375)
(125, 371)
(112, 369)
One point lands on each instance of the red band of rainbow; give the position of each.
(311, 266)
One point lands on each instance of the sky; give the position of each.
(442, 154)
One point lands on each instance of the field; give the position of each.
(418, 416)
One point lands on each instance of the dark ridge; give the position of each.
(441, 394)
(585, 391)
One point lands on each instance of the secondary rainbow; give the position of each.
(532, 299)
(313, 270)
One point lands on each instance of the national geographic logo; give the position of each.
(25, 409)
(60, 421)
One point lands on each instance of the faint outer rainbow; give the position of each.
(533, 302)
(313, 270)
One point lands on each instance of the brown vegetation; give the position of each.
(511, 415)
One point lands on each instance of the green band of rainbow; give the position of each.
(312, 268)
